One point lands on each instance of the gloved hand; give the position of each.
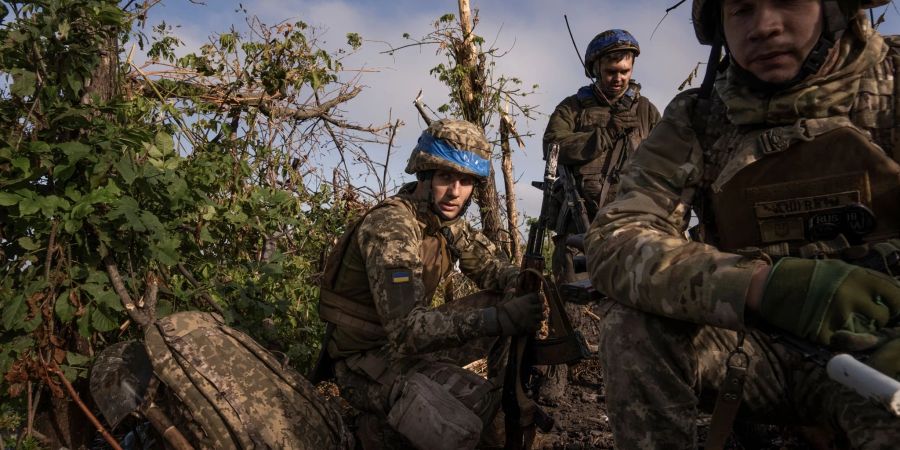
(818, 299)
(624, 120)
(519, 315)
(884, 347)
(886, 359)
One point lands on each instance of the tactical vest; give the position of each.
(819, 188)
(815, 191)
(591, 176)
(344, 296)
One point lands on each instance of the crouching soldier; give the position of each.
(789, 156)
(395, 356)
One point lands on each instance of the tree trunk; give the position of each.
(104, 82)
(471, 90)
(512, 211)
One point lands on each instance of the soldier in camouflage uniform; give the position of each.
(790, 160)
(596, 130)
(396, 356)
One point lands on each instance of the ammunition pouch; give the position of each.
(431, 418)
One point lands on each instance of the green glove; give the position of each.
(815, 299)
(886, 359)
(520, 315)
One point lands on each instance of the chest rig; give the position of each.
(813, 189)
(598, 179)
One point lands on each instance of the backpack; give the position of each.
(232, 393)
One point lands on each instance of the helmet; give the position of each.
(454, 145)
(607, 42)
(706, 17)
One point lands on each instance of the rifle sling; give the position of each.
(731, 392)
(609, 171)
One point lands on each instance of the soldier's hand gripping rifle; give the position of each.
(561, 345)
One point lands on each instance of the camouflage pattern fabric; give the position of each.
(373, 381)
(581, 125)
(390, 237)
(639, 256)
(671, 370)
(420, 338)
(233, 394)
(461, 135)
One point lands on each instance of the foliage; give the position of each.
(193, 184)
(492, 91)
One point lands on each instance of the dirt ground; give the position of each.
(582, 421)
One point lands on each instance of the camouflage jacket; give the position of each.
(637, 250)
(580, 124)
(397, 245)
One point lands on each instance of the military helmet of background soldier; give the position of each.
(455, 145)
(706, 17)
(607, 42)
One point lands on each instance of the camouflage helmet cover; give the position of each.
(607, 42)
(456, 145)
(704, 15)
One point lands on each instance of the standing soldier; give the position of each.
(789, 156)
(395, 356)
(596, 130)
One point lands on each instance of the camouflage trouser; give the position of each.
(374, 381)
(659, 371)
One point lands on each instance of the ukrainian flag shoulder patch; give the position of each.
(400, 276)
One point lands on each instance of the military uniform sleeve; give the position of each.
(575, 146)
(481, 260)
(636, 247)
(389, 240)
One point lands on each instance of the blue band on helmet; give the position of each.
(609, 39)
(464, 158)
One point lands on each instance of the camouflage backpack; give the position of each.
(232, 393)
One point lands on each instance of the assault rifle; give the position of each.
(574, 205)
(562, 345)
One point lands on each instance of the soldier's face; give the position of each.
(451, 191)
(615, 75)
(771, 38)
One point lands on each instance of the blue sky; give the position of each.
(540, 52)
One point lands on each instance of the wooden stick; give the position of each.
(590, 313)
(30, 416)
(87, 412)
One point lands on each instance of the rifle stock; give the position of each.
(562, 344)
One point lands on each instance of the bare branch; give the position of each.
(136, 314)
